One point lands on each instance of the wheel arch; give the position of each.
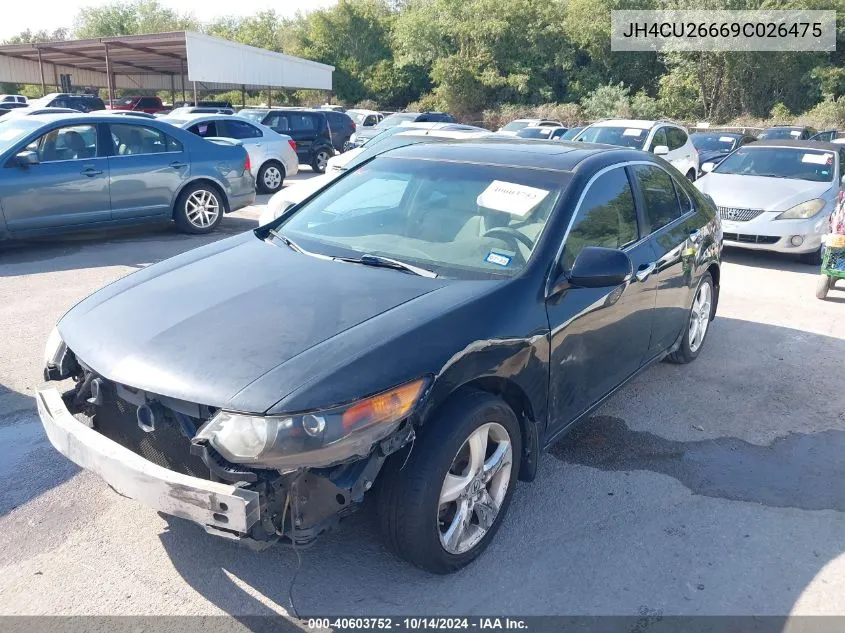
(203, 181)
(716, 274)
(518, 401)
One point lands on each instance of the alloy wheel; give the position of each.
(699, 317)
(322, 161)
(474, 488)
(202, 208)
(272, 177)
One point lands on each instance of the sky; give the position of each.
(53, 14)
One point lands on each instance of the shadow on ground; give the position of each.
(138, 247)
(622, 522)
(768, 260)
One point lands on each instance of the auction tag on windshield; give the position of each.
(795, 133)
(500, 259)
(818, 159)
(510, 197)
(632, 131)
(726, 139)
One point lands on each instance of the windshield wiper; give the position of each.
(386, 262)
(288, 242)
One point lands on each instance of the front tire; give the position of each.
(698, 322)
(199, 209)
(271, 177)
(440, 504)
(691, 175)
(823, 284)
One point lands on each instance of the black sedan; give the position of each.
(420, 330)
(712, 147)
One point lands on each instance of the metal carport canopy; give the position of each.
(160, 61)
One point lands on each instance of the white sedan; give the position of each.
(777, 195)
(272, 156)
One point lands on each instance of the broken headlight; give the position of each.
(54, 350)
(313, 439)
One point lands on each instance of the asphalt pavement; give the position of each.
(713, 488)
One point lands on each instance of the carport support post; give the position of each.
(269, 97)
(41, 70)
(243, 96)
(196, 101)
(182, 79)
(172, 91)
(108, 75)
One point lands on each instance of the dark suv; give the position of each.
(341, 126)
(309, 128)
(81, 102)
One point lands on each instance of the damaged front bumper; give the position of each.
(221, 508)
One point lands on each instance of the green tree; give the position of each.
(130, 18)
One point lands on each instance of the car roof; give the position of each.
(799, 143)
(513, 152)
(636, 123)
(717, 133)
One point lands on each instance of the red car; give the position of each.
(150, 105)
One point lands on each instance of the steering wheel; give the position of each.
(511, 236)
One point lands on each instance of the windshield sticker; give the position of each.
(632, 131)
(510, 197)
(726, 139)
(818, 159)
(500, 259)
(795, 133)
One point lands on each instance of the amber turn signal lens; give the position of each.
(385, 407)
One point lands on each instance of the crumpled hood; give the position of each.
(204, 325)
(760, 192)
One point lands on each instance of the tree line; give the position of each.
(494, 59)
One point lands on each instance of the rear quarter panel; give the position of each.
(222, 164)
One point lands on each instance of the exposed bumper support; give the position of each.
(218, 507)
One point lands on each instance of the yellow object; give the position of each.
(385, 407)
(835, 241)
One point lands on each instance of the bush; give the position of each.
(645, 107)
(830, 113)
(607, 102)
(569, 114)
(780, 114)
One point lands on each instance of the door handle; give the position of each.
(177, 165)
(91, 172)
(644, 271)
(695, 235)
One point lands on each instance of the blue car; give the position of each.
(65, 172)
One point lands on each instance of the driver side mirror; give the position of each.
(597, 267)
(707, 167)
(27, 158)
(661, 150)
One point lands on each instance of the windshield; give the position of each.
(126, 101)
(780, 162)
(780, 133)
(13, 130)
(385, 134)
(395, 119)
(713, 142)
(535, 132)
(633, 137)
(571, 133)
(256, 116)
(457, 219)
(515, 126)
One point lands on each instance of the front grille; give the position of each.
(166, 446)
(736, 214)
(751, 239)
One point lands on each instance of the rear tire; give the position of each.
(700, 315)
(823, 284)
(320, 161)
(419, 519)
(199, 209)
(814, 258)
(271, 177)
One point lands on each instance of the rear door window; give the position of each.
(659, 197)
(204, 129)
(238, 129)
(133, 140)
